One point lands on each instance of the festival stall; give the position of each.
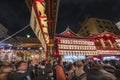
(22, 53)
(72, 47)
(28, 53)
(5, 51)
(107, 45)
(25, 51)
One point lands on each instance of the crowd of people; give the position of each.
(59, 70)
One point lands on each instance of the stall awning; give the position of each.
(28, 40)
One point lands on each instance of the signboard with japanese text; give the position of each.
(34, 23)
(39, 23)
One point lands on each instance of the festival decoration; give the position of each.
(40, 0)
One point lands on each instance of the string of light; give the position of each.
(15, 33)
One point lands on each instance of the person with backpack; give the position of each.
(70, 72)
(22, 73)
(48, 73)
(79, 73)
(33, 64)
(41, 68)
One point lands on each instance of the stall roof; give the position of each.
(2, 44)
(28, 40)
(29, 45)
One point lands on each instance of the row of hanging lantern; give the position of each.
(32, 51)
(35, 56)
(28, 48)
(23, 48)
(100, 52)
(76, 47)
(115, 52)
(66, 52)
(73, 41)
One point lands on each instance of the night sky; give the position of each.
(73, 12)
(15, 15)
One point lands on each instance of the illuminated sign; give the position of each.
(76, 46)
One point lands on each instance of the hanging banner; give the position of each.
(36, 26)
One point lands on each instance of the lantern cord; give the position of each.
(15, 33)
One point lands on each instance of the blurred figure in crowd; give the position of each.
(70, 72)
(4, 71)
(22, 73)
(117, 74)
(99, 74)
(41, 68)
(48, 74)
(60, 73)
(33, 64)
(79, 73)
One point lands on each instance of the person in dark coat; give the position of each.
(22, 73)
(33, 64)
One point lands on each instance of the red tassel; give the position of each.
(42, 16)
(40, 0)
(49, 20)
